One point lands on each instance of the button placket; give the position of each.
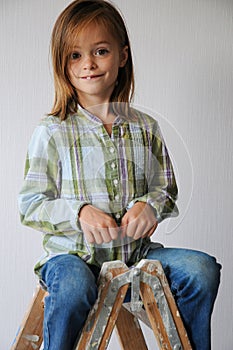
(118, 216)
(115, 190)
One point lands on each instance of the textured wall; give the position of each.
(183, 61)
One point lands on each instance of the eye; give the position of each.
(101, 52)
(75, 55)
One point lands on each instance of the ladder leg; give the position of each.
(129, 331)
(154, 268)
(30, 333)
(113, 317)
(154, 316)
(102, 318)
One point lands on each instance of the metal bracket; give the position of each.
(135, 303)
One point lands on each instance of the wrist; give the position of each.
(83, 209)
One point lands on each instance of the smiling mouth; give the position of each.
(91, 77)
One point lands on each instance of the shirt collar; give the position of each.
(94, 119)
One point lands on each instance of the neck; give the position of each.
(102, 111)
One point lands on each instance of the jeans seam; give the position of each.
(51, 301)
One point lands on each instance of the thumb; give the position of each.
(124, 225)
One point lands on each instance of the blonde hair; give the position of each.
(70, 22)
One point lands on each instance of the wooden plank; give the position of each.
(30, 335)
(129, 331)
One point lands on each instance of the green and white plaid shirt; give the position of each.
(75, 162)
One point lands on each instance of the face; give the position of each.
(94, 64)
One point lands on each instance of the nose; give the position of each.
(89, 63)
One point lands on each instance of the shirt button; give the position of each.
(111, 149)
(115, 181)
(118, 216)
(113, 165)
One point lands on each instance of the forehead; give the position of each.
(92, 33)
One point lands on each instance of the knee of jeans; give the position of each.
(72, 281)
(205, 273)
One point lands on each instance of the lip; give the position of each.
(91, 77)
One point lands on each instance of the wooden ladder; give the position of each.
(151, 302)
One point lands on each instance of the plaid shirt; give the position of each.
(75, 162)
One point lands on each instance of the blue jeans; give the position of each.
(193, 277)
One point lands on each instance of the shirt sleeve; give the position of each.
(162, 188)
(40, 203)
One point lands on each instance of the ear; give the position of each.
(123, 56)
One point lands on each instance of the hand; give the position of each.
(139, 221)
(98, 227)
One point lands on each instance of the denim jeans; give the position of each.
(193, 277)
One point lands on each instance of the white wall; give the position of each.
(183, 61)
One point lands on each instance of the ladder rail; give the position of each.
(29, 335)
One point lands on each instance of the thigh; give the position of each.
(186, 265)
(72, 291)
(67, 274)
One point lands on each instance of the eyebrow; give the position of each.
(95, 44)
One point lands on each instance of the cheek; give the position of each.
(114, 68)
(72, 69)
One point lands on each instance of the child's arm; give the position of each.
(145, 212)
(40, 203)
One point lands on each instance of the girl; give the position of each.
(99, 180)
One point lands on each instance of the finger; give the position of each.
(122, 232)
(113, 232)
(140, 232)
(89, 236)
(151, 231)
(97, 236)
(137, 228)
(130, 230)
(133, 228)
(105, 235)
(123, 227)
(154, 227)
